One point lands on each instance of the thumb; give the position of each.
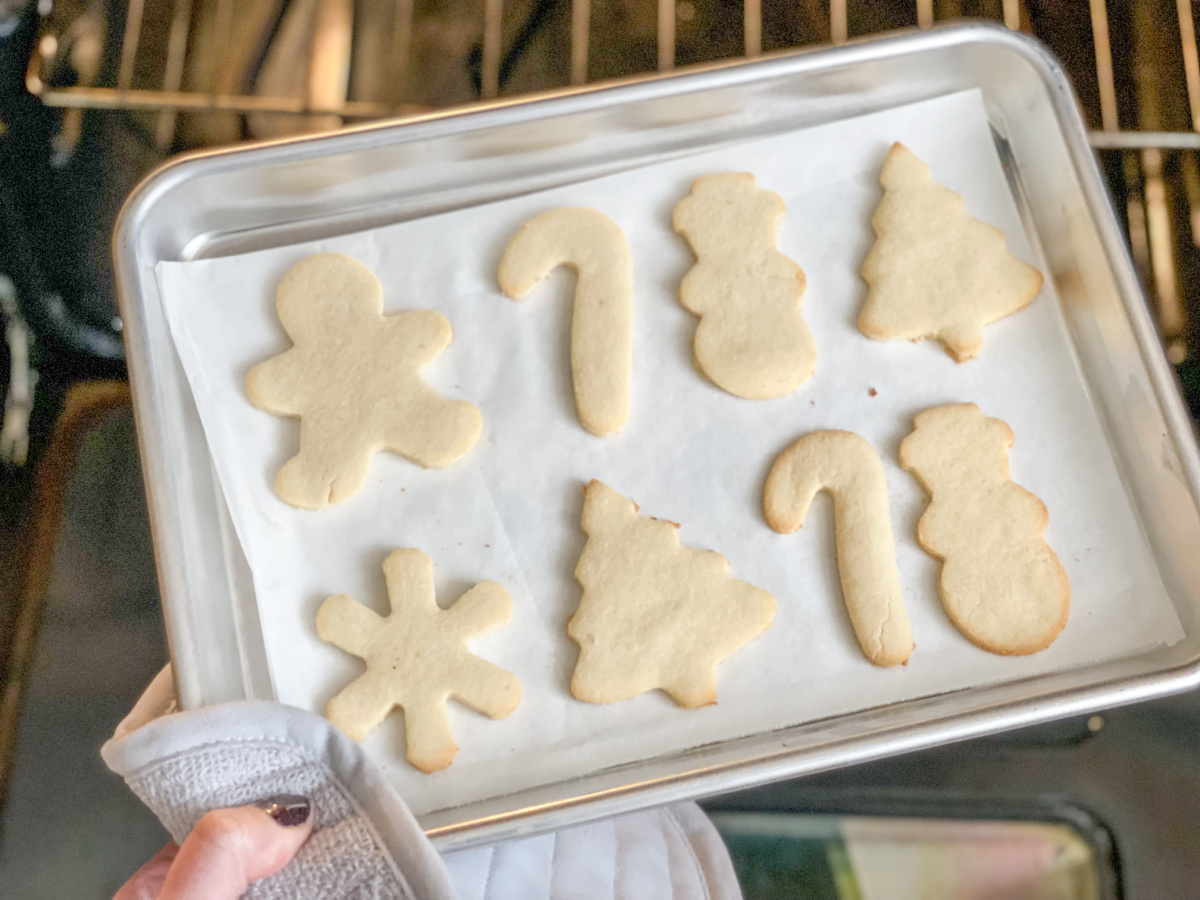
(229, 848)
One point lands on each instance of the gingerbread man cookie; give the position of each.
(353, 378)
(752, 340)
(1001, 584)
(417, 658)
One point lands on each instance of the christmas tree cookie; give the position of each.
(654, 613)
(934, 271)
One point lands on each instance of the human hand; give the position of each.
(228, 849)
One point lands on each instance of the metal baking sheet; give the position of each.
(509, 510)
(318, 188)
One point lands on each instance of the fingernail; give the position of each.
(286, 809)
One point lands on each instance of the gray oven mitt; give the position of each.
(365, 844)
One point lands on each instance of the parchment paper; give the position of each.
(509, 510)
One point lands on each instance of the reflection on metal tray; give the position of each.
(231, 202)
(895, 847)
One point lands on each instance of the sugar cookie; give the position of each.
(752, 340)
(934, 271)
(602, 322)
(654, 614)
(417, 658)
(353, 378)
(1001, 584)
(848, 467)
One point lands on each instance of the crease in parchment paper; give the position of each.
(509, 510)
